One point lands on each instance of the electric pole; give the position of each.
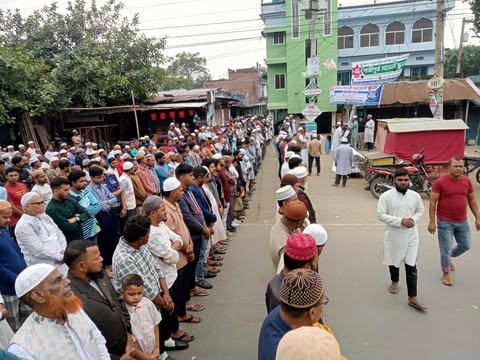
(313, 32)
(439, 35)
(458, 71)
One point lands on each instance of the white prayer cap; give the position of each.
(63, 151)
(300, 172)
(31, 277)
(171, 184)
(314, 135)
(26, 198)
(127, 146)
(181, 137)
(242, 151)
(318, 232)
(85, 162)
(289, 154)
(217, 156)
(21, 146)
(88, 143)
(117, 152)
(63, 144)
(30, 142)
(344, 140)
(99, 151)
(44, 166)
(127, 165)
(125, 156)
(295, 156)
(73, 148)
(54, 158)
(354, 116)
(94, 144)
(339, 123)
(33, 160)
(10, 147)
(284, 193)
(300, 128)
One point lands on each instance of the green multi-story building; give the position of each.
(288, 37)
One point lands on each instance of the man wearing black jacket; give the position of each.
(91, 284)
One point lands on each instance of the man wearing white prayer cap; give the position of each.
(301, 173)
(39, 238)
(319, 234)
(58, 327)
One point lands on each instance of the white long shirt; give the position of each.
(72, 335)
(41, 241)
(159, 244)
(400, 243)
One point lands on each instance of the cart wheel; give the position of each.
(376, 188)
(477, 176)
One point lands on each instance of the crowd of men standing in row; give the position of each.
(154, 217)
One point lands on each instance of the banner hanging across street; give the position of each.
(378, 70)
(366, 95)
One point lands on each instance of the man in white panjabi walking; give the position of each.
(400, 209)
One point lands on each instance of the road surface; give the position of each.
(370, 323)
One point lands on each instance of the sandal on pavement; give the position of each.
(185, 337)
(199, 292)
(393, 289)
(447, 283)
(417, 305)
(195, 307)
(190, 319)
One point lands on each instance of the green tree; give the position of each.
(470, 61)
(186, 71)
(88, 55)
(475, 6)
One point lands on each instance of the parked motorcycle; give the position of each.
(381, 179)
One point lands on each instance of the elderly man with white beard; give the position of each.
(39, 238)
(58, 327)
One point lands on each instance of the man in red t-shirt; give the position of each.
(15, 191)
(450, 196)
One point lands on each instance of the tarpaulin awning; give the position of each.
(411, 92)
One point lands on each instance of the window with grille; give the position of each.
(422, 31)
(395, 34)
(369, 36)
(278, 38)
(345, 38)
(279, 81)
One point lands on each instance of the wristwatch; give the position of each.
(78, 219)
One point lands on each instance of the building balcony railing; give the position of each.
(272, 7)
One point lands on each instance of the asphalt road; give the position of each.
(370, 323)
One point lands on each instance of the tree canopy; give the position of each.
(475, 6)
(88, 56)
(186, 71)
(470, 61)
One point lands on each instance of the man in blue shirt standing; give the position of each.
(302, 300)
(11, 264)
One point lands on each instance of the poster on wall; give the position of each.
(378, 70)
(366, 95)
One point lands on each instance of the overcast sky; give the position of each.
(237, 20)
